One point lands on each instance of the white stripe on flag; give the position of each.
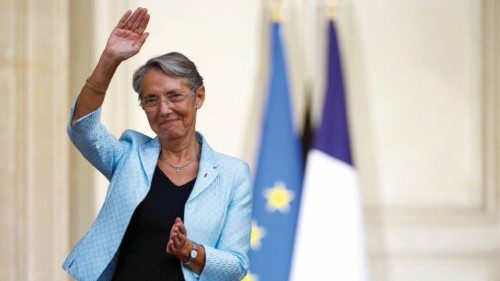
(330, 243)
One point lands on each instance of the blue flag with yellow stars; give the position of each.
(278, 178)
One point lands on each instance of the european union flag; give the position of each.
(278, 178)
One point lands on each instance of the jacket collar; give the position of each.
(207, 171)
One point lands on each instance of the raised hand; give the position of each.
(128, 36)
(125, 40)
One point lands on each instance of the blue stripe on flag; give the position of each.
(332, 136)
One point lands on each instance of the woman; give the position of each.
(175, 209)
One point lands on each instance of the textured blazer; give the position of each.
(217, 213)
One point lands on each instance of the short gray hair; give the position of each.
(173, 64)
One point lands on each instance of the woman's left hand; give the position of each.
(178, 242)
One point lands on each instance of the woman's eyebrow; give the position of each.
(174, 91)
(148, 95)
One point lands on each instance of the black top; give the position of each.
(142, 254)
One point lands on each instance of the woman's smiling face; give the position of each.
(173, 112)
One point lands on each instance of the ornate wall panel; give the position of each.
(430, 110)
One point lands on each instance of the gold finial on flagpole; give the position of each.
(277, 13)
(332, 9)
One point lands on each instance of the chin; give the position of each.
(171, 134)
(168, 128)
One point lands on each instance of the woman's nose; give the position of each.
(165, 106)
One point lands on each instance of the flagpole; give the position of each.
(277, 13)
(332, 10)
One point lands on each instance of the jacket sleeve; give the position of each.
(94, 142)
(229, 260)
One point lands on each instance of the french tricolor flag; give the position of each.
(330, 243)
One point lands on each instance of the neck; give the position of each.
(178, 151)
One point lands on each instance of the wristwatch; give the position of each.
(192, 254)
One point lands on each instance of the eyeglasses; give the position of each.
(153, 103)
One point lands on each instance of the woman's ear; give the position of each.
(200, 96)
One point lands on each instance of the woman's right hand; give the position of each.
(128, 36)
(125, 40)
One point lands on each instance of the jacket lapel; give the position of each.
(149, 156)
(208, 168)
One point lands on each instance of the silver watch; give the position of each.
(192, 254)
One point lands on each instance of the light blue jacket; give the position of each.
(217, 213)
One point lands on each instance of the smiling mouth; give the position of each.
(168, 122)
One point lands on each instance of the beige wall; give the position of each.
(425, 113)
(424, 107)
(34, 175)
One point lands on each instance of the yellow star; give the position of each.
(278, 198)
(256, 235)
(250, 277)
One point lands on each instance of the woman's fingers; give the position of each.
(182, 238)
(170, 247)
(135, 22)
(178, 234)
(180, 226)
(139, 19)
(178, 244)
(131, 20)
(174, 232)
(182, 229)
(124, 18)
(143, 25)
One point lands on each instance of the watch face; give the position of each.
(194, 253)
